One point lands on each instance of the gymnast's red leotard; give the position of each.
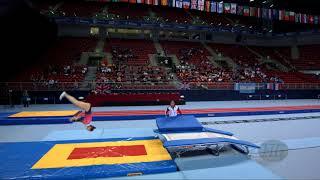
(87, 117)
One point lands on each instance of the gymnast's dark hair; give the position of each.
(92, 128)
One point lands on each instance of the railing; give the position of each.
(167, 25)
(70, 86)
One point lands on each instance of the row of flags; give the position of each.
(232, 8)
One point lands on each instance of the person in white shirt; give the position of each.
(173, 110)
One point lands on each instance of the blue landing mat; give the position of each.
(18, 158)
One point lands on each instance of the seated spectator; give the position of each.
(51, 82)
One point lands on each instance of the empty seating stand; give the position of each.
(140, 48)
(65, 51)
(309, 58)
(239, 54)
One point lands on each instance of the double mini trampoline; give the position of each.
(185, 133)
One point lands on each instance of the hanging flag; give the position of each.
(240, 10)
(194, 4)
(233, 8)
(304, 18)
(275, 14)
(311, 20)
(270, 86)
(281, 15)
(220, 7)
(297, 18)
(156, 2)
(246, 11)
(175, 3)
(207, 5)
(164, 2)
(172, 3)
(291, 16)
(148, 2)
(213, 6)
(270, 14)
(258, 12)
(186, 4)
(264, 13)
(179, 3)
(227, 8)
(201, 5)
(316, 19)
(300, 18)
(252, 11)
(287, 16)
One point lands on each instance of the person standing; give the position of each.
(25, 98)
(173, 110)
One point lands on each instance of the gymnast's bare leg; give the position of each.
(86, 107)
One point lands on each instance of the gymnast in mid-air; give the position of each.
(86, 107)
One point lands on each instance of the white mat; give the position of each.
(196, 135)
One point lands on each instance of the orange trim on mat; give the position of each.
(26, 114)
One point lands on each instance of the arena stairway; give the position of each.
(90, 77)
(158, 47)
(284, 60)
(214, 57)
(100, 46)
(271, 60)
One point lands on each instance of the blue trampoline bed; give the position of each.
(184, 133)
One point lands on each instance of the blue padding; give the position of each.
(243, 170)
(218, 131)
(125, 118)
(28, 121)
(126, 133)
(6, 114)
(100, 140)
(179, 123)
(202, 141)
(18, 158)
(73, 134)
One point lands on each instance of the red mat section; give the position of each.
(108, 151)
(199, 111)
